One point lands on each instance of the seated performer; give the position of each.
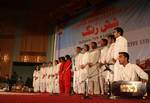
(128, 71)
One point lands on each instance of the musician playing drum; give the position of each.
(127, 75)
(128, 71)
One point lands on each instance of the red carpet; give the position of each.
(46, 98)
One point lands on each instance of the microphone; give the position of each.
(107, 68)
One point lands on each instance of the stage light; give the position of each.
(38, 58)
(25, 58)
(5, 58)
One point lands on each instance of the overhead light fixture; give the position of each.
(6, 58)
(25, 58)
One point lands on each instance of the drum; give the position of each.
(128, 88)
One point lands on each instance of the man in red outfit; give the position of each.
(67, 74)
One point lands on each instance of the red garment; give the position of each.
(67, 76)
(61, 84)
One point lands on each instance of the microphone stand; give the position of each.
(86, 95)
(110, 94)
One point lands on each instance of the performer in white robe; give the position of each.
(49, 78)
(109, 58)
(120, 46)
(84, 69)
(76, 70)
(56, 77)
(43, 78)
(36, 79)
(102, 61)
(128, 71)
(93, 71)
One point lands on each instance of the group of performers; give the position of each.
(91, 68)
(53, 78)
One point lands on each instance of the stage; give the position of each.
(8, 97)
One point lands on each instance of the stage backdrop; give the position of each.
(132, 15)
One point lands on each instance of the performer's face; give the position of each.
(78, 50)
(37, 67)
(92, 45)
(110, 40)
(122, 59)
(116, 34)
(84, 49)
(43, 65)
(102, 43)
(49, 64)
(56, 62)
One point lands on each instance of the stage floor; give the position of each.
(8, 97)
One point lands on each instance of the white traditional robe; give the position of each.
(36, 81)
(93, 72)
(43, 79)
(47, 79)
(50, 79)
(76, 70)
(109, 60)
(131, 72)
(103, 74)
(56, 78)
(110, 53)
(84, 72)
(103, 54)
(120, 46)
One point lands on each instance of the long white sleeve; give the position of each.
(140, 72)
(103, 54)
(110, 54)
(94, 56)
(120, 46)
